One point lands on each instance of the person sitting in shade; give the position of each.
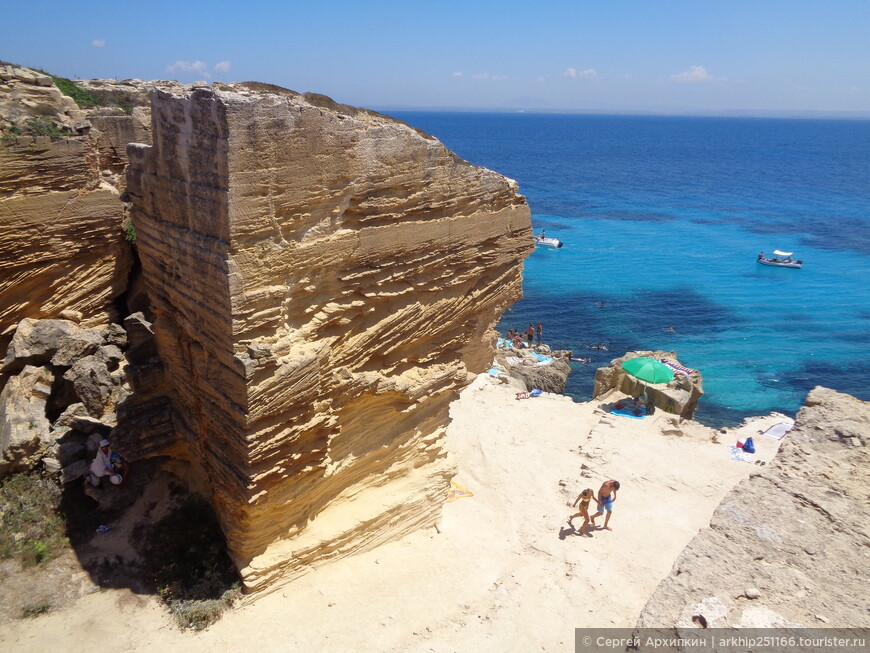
(103, 465)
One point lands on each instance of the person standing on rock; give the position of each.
(540, 331)
(530, 334)
(606, 497)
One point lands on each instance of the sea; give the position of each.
(662, 218)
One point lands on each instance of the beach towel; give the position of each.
(536, 392)
(778, 431)
(493, 371)
(514, 360)
(626, 412)
(457, 492)
(738, 454)
(677, 368)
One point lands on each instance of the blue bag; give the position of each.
(749, 446)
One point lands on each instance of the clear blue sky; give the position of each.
(600, 55)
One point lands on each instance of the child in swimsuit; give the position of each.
(583, 498)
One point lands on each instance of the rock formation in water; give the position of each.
(324, 279)
(680, 396)
(787, 546)
(540, 368)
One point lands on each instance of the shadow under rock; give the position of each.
(150, 535)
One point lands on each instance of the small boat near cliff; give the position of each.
(780, 260)
(547, 242)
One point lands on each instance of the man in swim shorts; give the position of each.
(606, 497)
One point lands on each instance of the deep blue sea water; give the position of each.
(662, 220)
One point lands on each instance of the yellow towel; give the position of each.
(457, 492)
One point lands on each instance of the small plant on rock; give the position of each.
(44, 127)
(35, 609)
(130, 232)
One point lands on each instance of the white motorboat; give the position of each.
(780, 260)
(548, 242)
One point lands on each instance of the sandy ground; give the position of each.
(505, 572)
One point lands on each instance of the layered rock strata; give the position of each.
(62, 247)
(679, 396)
(788, 546)
(324, 280)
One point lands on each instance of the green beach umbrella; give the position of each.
(648, 369)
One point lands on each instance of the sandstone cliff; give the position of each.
(323, 279)
(62, 247)
(788, 546)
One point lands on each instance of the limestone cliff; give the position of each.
(323, 279)
(62, 246)
(787, 547)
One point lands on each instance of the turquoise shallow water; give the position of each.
(662, 219)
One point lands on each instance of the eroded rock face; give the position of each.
(786, 547)
(22, 418)
(324, 280)
(62, 246)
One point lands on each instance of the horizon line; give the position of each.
(806, 114)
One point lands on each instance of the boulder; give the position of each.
(88, 425)
(138, 329)
(114, 334)
(35, 342)
(111, 355)
(69, 414)
(679, 396)
(76, 345)
(72, 449)
(24, 428)
(93, 384)
(74, 471)
(549, 377)
(71, 315)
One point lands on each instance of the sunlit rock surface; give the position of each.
(62, 247)
(324, 279)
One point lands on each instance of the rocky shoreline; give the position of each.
(786, 547)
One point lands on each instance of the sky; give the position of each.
(671, 56)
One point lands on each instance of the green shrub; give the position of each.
(44, 127)
(35, 609)
(200, 614)
(130, 232)
(187, 564)
(30, 527)
(123, 106)
(84, 98)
